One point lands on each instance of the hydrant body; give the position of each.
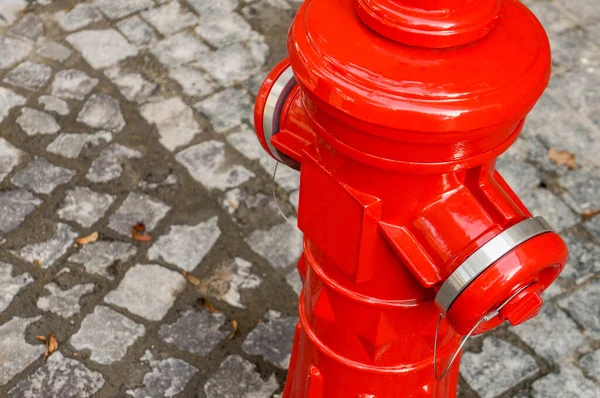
(395, 112)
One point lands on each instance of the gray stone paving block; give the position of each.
(109, 164)
(543, 202)
(552, 17)
(578, 89)
(34, 122)
(133, 86)
(167, 378)
(231, 64)
(243, 139)
(215, 8)
(84, 206)
(78, 17)
(272, 339)
(591, 364)
(584, 259)
(49, 251)
(148, 291)
(286, 177)
(29, 27)
(107, 334)
(17, 354)
(238, 378)
(10, 285)
(116, 9)
(586, 10)
(227, 282)
(15, 206)
(198, 332)
(12, 51)
(137, 208)
(9, 157)
(293, 279)
(42, 176)
(64, 302)
(170, 18)
(572, 49)
(552, 334)
(97, 257)
(281, 245)
(178, 49)
(28, 75)
(253, 84)
(226, 29)
(59, 377)
(55, 51)
(569, 382)
(173, 119)
(579, 305)
(226, 109)
(101, 111)
(582, 187)
(136, 30)
(10, 11)
(71, 145)
(193, 82)
(72, 83)
(186, 245)
(207, 164)
(8, 100)
(594, 226)
(101, 48)
(54, 104)
(295, 199)
(497, 368)
(251, 205)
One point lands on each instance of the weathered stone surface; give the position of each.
(10, 11)
(584, 259)
(186, 245)
(64, 302)
(238, 378)
(568, 382)
(29, 27)
(178, 49)
(228, 281)
(28, 75)
(101, 111)
(101, 48)
(193, 82)
(497, 368)
(15, 206)
(227, 29)
(136, 30)
(231, 64)
(281, 245)
(10, 285)
(17, 354)
(174, 120)
(215, 8)
(59, 377)
(286, 177)
(137, 208)
(582, 187)
(577, 305)
(591, 364)
(148, 291)
(84, 206)
(167, 378)
(54, 104)
(34, 122)
(170, 18)
(108, 165)
(107, 334)
(12, 51)
(8, 100)
(196, 331)
(97, 257)
(207, 164)
(78, 17)
(116, 9)
(133, 86)
(55, 51)
(46, 253)
(72, 83)
(272, 339)
(71, 145)
(226, 109)
(293, 279)
(42, 176)
(9, 157)
(542, 201)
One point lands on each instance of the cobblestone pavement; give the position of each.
(114, 112)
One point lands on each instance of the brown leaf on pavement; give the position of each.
(235, 326)
(91, 238)
(138, 232)
(191, 278)
(51, 344)
(587, 214)
(562, 158)
(208, 305)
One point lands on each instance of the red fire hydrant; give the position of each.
(395, 111)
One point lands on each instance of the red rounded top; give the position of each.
(338, 60)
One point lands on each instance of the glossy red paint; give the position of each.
(396, 130)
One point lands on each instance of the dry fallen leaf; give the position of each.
(191, 278)
(587, 214)
(563, 158)
(69, 9)
(138, 232)
(37, 262)
(51, 344)
(208, 305)
(236, 326)
(91, 238)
